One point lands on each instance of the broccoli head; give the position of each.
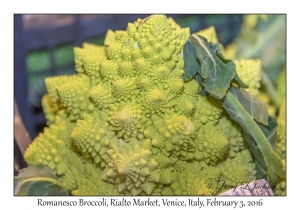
(128, 124)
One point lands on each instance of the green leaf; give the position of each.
(256, 109)
(38, 180)
(191, 65)
(270, 131)
(231, 65)
(258, 136)
(216, 74)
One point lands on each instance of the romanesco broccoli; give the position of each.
(128, 124)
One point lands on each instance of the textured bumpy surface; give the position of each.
(249, 71)
(281, 146)
(128, 124)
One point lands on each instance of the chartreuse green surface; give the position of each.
(129, 124)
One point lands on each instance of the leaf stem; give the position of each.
(264, 39)
(34, 179)
(271, 159)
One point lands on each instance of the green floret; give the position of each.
(281, 133)
(280, 188)
(234, 134)
(239, 170)
(211, 145)
(281, 147)
(249, 71)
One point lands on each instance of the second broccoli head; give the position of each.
(128, 124)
